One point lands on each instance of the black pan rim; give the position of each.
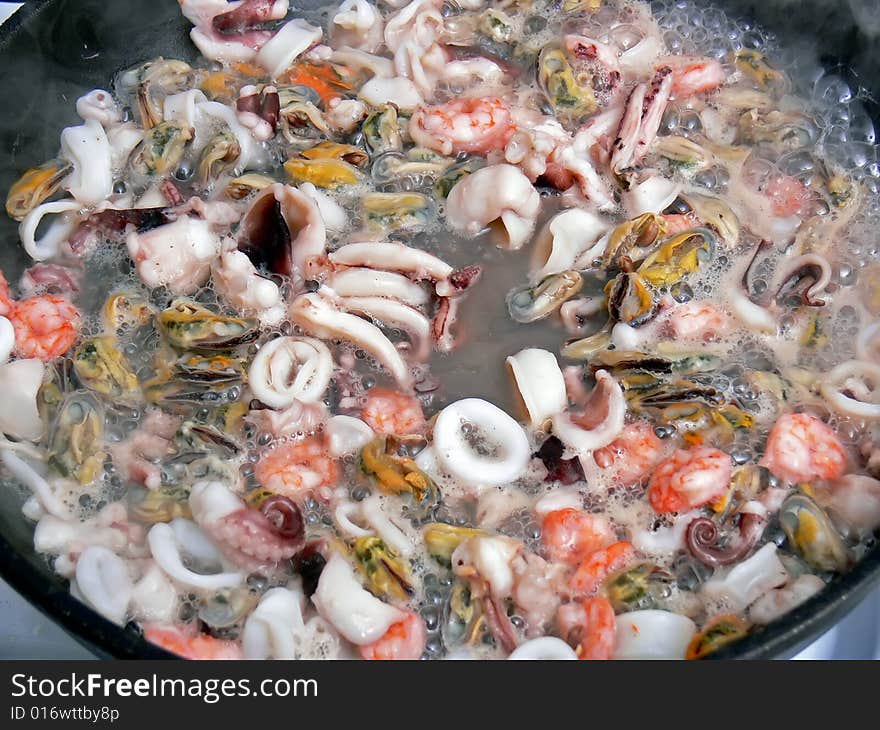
(779, 640)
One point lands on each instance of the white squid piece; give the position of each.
(100, 106)
(540, 384)
(653, 195)
(853, 389)
(322, 318)
(177, 255)
(357, 24)
(103, 581)
(400, 91)
(20, 382)
(505, 453)
(491, 559)
(289, 369)
(40, 488)
(747, 581)
(493, 193)
(293, 39)
(275, 628)
(652, 634)
(50, 243)
(568, 237)
(183, 107)
(87, 147)
(603, 418)
(207, 115)
(394, 314)
(347, 606)
(7, 343)
(347, 435)
(301, 214)
(392, 256)
(364, 282)
(61, 535)
(778, 602)
(153, 597)
(334, 216)
(547, 648)
(170, 542)
(237, 281)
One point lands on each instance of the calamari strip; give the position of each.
(392, 257)
(321, 318)
(275, 628)
(365, 282)
(294, 38)
(102, 579)
(20, 382)
(59, 231)
(168, 546)
(87, 147)
(392, 313)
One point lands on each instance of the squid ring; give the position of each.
(289, 369)
(505, 447)
(849, 387)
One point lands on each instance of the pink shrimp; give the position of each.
(46, 326)
(597, 566)
(294, 467)
(788, 196)
(801, 448)
(680, 222)
(689, 479)
(463, 125)
(389, 412)
(692, 75)
(698, 319)
(6, 301)
(633, 454)
(405, 639)
(189, 646)
(570, 535)
(589, 627)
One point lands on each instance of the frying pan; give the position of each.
(52, 51)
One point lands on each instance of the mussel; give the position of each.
(812, 535)
(382, 131)
(150, 82)
(242, 186)
(302, 123)
(715, 214)
(677, 257)
(162, 149)
(718, 632)
(126, 311)
(328, 150)
(37, 185)
(218, 156)
(632, 240)
(642, 586)
(75, 446)
(455, 172)
(396, 211)
(570, 100)
(441, 539)
(630, 299)
(160, 505)
(754, 64)
(325, 173)
(188, 325)
(102, 367)
(386, 574)
(530, 304)
(227, 609)
(398, 475)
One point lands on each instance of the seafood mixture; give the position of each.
(239, 405)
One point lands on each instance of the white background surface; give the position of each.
(26, 633)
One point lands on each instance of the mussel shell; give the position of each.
(209, 369)
(162, 149)
(386, 574)
(630, 299)
(529, 304)
(396, 211)
(103, 368)
(455, 172)
(328, 150)
(77, 437)
(242, 186)
(218, 156)
(642, 586)
(35, 186)
(164, 504)
(188, 325)
(441, 539)
(302, 122)
(570, 100)
(382, 131)
(632, 240)
(812, 535)
(227, 608)
(207, 437)
(325, 173)
(677, 257)
(586, 348)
